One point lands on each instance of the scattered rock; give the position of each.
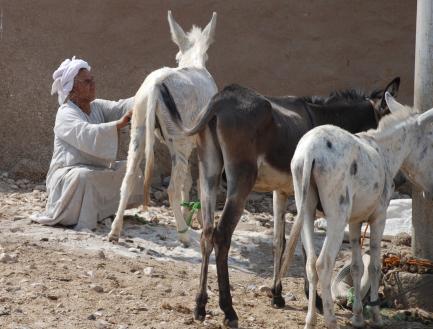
(8, 258)
(39, 286)
(5, 310)
(289, 297)
(101, 255)
(264, 290)
(40, 188)
(52, 297)
(189, 321)
(182, 309)
(102, 324)
(96, 288)
(148, 271)
(122, 326)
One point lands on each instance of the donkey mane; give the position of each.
(342, 96)
(196, 36)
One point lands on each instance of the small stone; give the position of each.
(148, 271)
(91, 317)
(38, 285)
(102, 324)
(251, 287)
(289, 297)
(101, 255)
(122, 326)
(189, 321)
(40, 188)
(264, 290)
(5, 310)
(52, 297)
(96, 288)
(8, 258)
(43, 239)
(135, 250)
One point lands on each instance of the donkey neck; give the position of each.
(192, 58)
(394, 147)
(355, 117)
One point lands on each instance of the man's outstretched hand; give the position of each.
(123, 121)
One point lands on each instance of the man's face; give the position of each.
(84, 86)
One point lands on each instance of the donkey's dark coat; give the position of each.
(253, 138)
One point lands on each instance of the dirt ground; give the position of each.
(60, 278)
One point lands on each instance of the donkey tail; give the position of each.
(152, 102)
(301, 173)
(200, 121)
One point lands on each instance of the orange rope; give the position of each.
(363, 236)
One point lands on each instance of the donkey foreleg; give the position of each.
(356, 269)
(279, 206)
(377, 226)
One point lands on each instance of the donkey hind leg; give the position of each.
(311, 258)
(377, 226)
(136, 147)
(356, 269)
(179, 172)
(210, 167)
(237, 193)
(279, 207)
(325, 264)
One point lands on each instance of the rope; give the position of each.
(363, 236)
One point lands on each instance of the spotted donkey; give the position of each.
(352, 177)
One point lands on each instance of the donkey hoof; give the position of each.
(278, 301)
(357, 321)
(200, 314)
(185, 239)
(113, 237)
(230, 323)
(377, 323)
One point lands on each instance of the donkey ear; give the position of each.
(209, 30)
(392, 88)
(425, 118)
(177, 34)
(393, 105)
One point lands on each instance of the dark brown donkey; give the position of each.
(253, 139)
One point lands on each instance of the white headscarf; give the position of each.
(64, 77)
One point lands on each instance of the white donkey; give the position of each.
(190, 87)
(352, 177)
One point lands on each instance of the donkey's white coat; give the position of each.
(352, 177)
(191, 87)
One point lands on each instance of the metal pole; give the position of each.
(422, 207)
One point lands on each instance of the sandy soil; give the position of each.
(60, 278)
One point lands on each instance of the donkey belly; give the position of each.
(271, 179)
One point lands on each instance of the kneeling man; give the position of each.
(83, 182)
